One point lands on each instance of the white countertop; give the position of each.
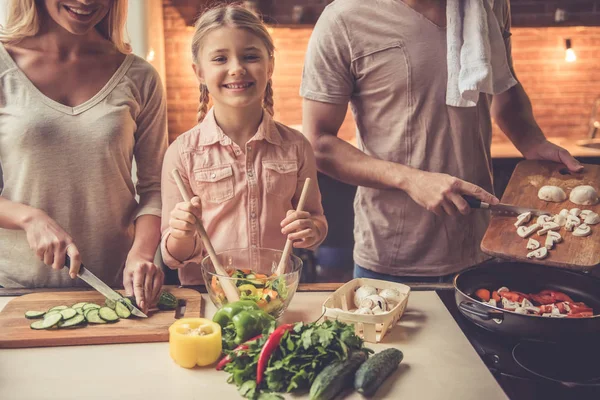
(439, 363)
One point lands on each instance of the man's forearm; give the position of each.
(147, 236)
(344, 162)
(513, 113)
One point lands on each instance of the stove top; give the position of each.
(533, 370)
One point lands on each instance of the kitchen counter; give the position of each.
(438, 363)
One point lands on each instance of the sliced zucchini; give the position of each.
(58, 308)
(122, 310)
(34, 314)
(72, 322)
(79, 305)
(108, 314)
(93, 316)
(68, 313)
(90, 305)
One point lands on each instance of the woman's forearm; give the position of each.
(147, 236)
(16, 215)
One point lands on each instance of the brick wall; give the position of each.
(561, 92)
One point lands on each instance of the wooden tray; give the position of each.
(501, 239)
(15, 330)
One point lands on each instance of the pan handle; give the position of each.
(471, 309)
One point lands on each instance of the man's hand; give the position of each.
(442, 194)
(143, 279)
(545, 150)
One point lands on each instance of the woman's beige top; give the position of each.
(389, 62)
(75, 163)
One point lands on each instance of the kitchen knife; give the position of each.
(102, 287)
(500, 208)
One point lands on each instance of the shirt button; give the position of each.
(253, 246)
(253, 215)
(250, 174)
(213, 175)
(249, 148)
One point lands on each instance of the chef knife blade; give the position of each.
(102, 287)
(503, 208)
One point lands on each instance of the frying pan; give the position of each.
(529, 278)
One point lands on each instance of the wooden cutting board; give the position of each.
(501, 239)
(15, 330)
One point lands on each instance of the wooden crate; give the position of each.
(372, 328)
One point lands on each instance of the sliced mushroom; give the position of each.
(526, 303)
(362, 292)
(584, 195)
(561, 220)
(378, 301)
(564, 212)
(526, 231)
(575, 212)
(552, 193)
(582, 230)
(492, 302)
(503, 289)
(585, 213)
(533, 244)
(367, 303)
(391, 296)
(540, 253)
(542, 219)
(378, 310)
(522, 219)
(592, 218)
(548, 226)
(572, 223)
(520, 310)
(552, 239)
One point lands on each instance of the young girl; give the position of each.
(245, 170)
(75, 108)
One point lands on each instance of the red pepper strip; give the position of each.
(496, 296)
(227, 359)
(512, 296)
(583, 314)
(270, 345)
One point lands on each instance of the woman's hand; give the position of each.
(183, 218)
(143, 279)
(51, 243)
(300, 228)
(442, 194)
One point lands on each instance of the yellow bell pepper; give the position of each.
(195, 341)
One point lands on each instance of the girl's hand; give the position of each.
(51, 243)
(183, 218)
(143, 279)
(300, 228)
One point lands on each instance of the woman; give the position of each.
(75, 107)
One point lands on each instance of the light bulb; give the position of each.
(150, 56)
(570, 55)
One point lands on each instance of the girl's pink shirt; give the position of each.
(244, 196)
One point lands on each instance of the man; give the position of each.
(417, 155)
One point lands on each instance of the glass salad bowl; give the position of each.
(252, 273)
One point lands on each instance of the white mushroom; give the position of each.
(548, 226)
(533, 244)
(520, 310)
(564, 212)
(543, 219)
(582, 230)
(503, 289)
(540, 253)
(367, 303)
(526, 303)
(362, 292)
(584, 195)
(378, 301)
(592, 218)
(572, 223)
(585, 213)
(552, 193)
(522, 219)
(525, 231)
(561, 220)
(552, 238)
(364, 311)
(492, 302)
(378, 310)
(508, 304)
(575, 212)
(391, 296)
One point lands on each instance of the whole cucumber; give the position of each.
(336, 377)
(375, 370)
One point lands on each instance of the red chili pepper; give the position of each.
(269, 347)
(227, 359)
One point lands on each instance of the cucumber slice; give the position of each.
(58, 308)
(37, 325)
(90, 305)
(86, 312)
(79, 310)
(79, 305)
(110, 303)
(108, 314)
(68, 313)
(49, 321)
(52, 312)
(93, 316)
(122, 310)
(72, 322)
(34, 314)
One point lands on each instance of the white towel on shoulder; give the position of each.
(477, 60)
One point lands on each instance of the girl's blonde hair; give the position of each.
(24, 20)
(236, 16)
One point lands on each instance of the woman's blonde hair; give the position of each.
(236, 16)
(24, 20)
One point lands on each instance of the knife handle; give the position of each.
(68, 263)
(475, 203)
